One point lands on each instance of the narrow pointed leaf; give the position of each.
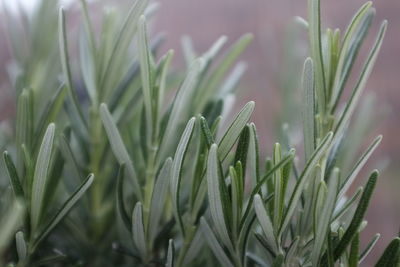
(146, 71)
(13, 176)
(356, 93)
(138, 234)
(306, 174)
(65, 209)
(176, 174)
(217, 196)
(40, 177)
(308, 108)
(170, 254)
(368, 248)
(158, 198)
(360, 163)
(118, 147)
(21, 246)
(214, 244)
(11, 220)
(315, 35)
(234, 130)
(63, 42)
(181, 105)
(120, 198)
(324, 220)
(265, 222)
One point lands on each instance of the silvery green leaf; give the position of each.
(235, 195)
(170, 254)
(254, 154)
(163, 82)
(188, 50)
(234, 130)
(63, 42)
(356, 93)
(120, 198)
(344, 52)
(319, 203)
(292, 250)
(301, 182)
(214, 244)
(216, 196)
(195, 246)
(138, 234)
(9, 222)
(177, 170)
(41, 175)
(181, 105)
(278, 188)
(314, 31)
(69, 157)
(118, 147)
(88, 67)
(24, 126)
(337, 214)
(308, 108)
(158, 198)
(368, 248)
(352, 54)
(265, 222)
(21, 246)
(13, 176)
(233, 79)
(121, 44)
(357, 219)
(64, 210)
(50, 112)
(358, 166)
(324, 219)
(214, 49)
(263, 180)
(147, 73)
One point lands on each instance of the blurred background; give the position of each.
(274, 62)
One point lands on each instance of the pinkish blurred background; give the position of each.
(268, 20)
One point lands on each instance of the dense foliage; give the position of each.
(107, 165)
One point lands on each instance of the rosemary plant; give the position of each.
(170, 179)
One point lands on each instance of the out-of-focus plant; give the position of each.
(176, 181)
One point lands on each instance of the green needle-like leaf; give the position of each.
(234, 130)
(67, 68)
(324, 220)
(138, 234)
(64, 210)
(265, 222)
(41, 175)
(214, 244)
(356, 93)
(13, 176)
(308, 108)
(170, 254)
(158, 198)
(217, 196)
(176, 175)
(118, 147)
(301, 182)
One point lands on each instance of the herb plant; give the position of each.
(115, 168)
